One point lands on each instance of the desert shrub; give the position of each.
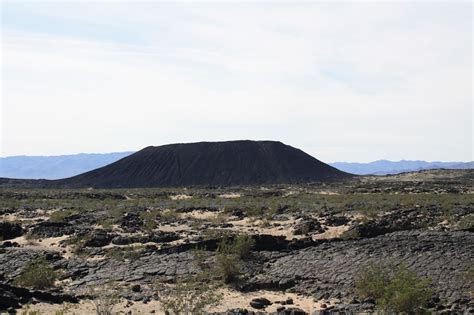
(61, 215)
(188, 296)
(242, 245)
(351, 234)
(126, 252)
(107, 224)
(469, 278)
(77, 242)
(31, 237)
(394, 289)
(37, 274)
(170, 215)
(30, 312)
(104, 298)
(406, 292)
(149, 219)
(228, 267)
(469, 275)
(239, 246)
(466, 222)
(200, 258)
(229, 256)
(372, 280)
(210, 234)
(255, 211)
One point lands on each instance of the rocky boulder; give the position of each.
(10, 230)
(131, 222)
(98, 239)
(308, 226)
(52, 229)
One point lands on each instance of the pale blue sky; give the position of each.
(353, 81)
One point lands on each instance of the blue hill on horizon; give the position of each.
(62, 166)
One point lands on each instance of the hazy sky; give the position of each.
(355, 81)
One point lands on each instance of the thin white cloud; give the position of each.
(342, 81)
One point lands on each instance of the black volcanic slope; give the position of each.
(208, 163)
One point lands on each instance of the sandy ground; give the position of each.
(250, 226)
(201, 215)
(234, 299)
(180, 197)
(12, 217)
(331, 232)
(50, 243)
(230, 196)
(230, 299)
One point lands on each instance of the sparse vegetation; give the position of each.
(168, 229)
(242, 245)
(230, 254)
(188, 296)
(125, 252)
(37, 274)
(372, 280)
(149, 219)
(107, 224)
(466, 222)
(394, 289)
(104, 298)
(61, 215)
(351, 234)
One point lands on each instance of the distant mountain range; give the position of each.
(384, 167)
(62, 166)
(55, 167)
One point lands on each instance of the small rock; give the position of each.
(280, 309)
(260, 303)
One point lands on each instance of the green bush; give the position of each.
(37, 274)
(126, 252)
(240, 246)
(149, 219)
(466, 222)
(351, 234)
(406, 292)
(107, 224)
(372, 280)
(228, 267)
(61, 215)
(228, 258)
(394, 289)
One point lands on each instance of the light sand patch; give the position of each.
(180, 197)
(331, 232)
(231, 299)
(173, 228)
(249, 226)
(50, 243)
(230, 196)
(202, 215)
(86, 307)
(234, 299)
(326, 192)
(14, 217)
